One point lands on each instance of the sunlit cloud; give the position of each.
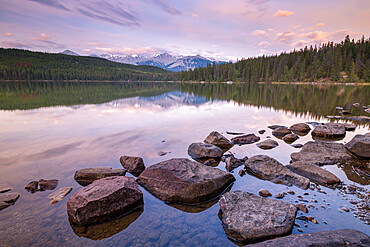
(283, 13)
(318, 25)
(263, 43)
(9, 34)
(300, 43)
(285, 37)
(259, 33)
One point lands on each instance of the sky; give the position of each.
(219, 29)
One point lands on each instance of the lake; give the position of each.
(51, 129)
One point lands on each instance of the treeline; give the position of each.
(18, 64)
(348, 61)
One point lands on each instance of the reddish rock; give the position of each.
(264, 193)
(105, 199)
(184, 181)
(302, 207)
(280, 132)
(48, 184)
(300, 127)
(88, 175)
(203, 151)
(32, 186)
(218, 140)
(360, 146)
(245, 139)
(134, 165)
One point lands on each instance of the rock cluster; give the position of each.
(41, 185)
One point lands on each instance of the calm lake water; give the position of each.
(50, 130)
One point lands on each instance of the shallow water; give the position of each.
(43, 139)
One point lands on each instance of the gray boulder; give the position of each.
(245, 139)
(313, 172)
(203, 151)
(134, 165)
(290, 138)
(344, 237)
(300, 127)
(218, 140)
(246, 217)
(184, 181)
(105, 199)
(270, 169)
(360, 146)
(323, 153)
(280, 132)
(268, 144)
(88, 175)
(329, 130)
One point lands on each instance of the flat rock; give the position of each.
(344, 237)
(290, 138)
(245, 139)
(297, 145)
(232, 163)
(88, 175)
(218, 140)
(59, 194)
(134, 165)
(10, 197)
(5, 190)
(204, 151)
(246, 217)
(313, 172)
(276, 126)
(4, 205)
(281, 132)
(48, 184)
(267, 144)
(104, 199)
(184, 181)
(360, 146)
(300, 127)
(270, 169)
(323, 153)
(329, 130)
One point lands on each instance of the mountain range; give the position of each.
(164, 60)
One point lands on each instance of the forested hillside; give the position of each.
(26, 65)
(347, 61)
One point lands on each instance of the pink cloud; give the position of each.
(259, 33)
(9, 34)
(283, 13)
(264, 43)
(285, 37)
(300, 43)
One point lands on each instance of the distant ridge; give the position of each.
(68, 52)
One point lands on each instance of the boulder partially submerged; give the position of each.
(270, 169)
(360, 146)
(290, 138)
(246, 217)
(59, 194)
(313, 172)
(184, 181)
(300, 127)
(245, 139)
(344, 237)
(268, 144)
(105, 199)
(134, 165)
(329, 130)
(218, 140)
(86, 176)
(203, 151)
(323, 153)
(281, 132)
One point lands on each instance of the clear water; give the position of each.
(96, 125)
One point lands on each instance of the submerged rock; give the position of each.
(264, 193)
(360, 146)
(313, 172)
(218, 140)
(323, 153)
(245, 139)
(232, 163)
(329, 130)
(247, 217)
(59, 194)
(32, 186)
(270, 169)
(290, 138)
(7, 199)
(300, 127)
(184, 181)
(134, 165)
(345, 237)
(88, 175)
(48, 184)
(280, 132)
(105, 199)
(203, 151)
(268, 144)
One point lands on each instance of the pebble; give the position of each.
(161, 153)
(264, 193)
(291, 192)
(261, 131)
(302, 207)
(280, 195)
(345, 209)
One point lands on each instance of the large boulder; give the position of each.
(245, 139)
(343, 237)
(86, 176)
(203, 151)
(184, 181)
(313, 172)
(134, 165)
(246, 217)
(105, 199)
(360, 146)
(218, 140)
(270, 169)
(329, 130)
(323, 153)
